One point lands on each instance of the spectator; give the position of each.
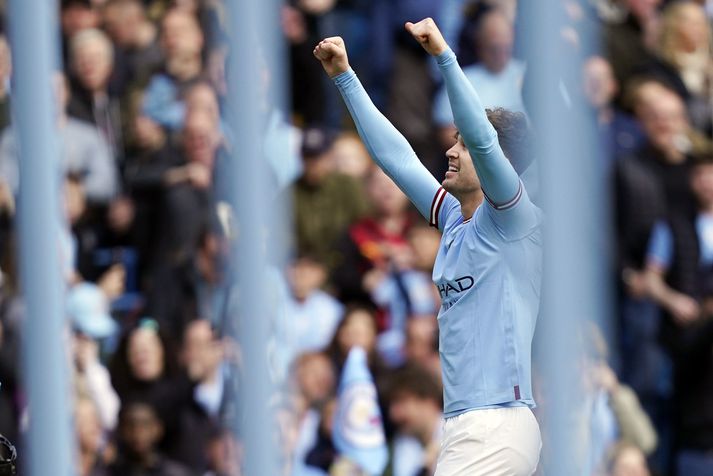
(350, 156)
(377, 264)
(684, 59)
(628, 43)
(652, 185)
(75, 16)
(680, 280)
(357, 328)
(188, 219)
(300, 28)
(314, 383)
(5, 76)
(83, 152)
(137, 37)
(619, 133)
(313, 314)
(91, 439)
(11, 316)
(655, 178)
(421, 346)
(203, 358)
(325, 202)
(144, 368)
(94, 99)
(375, 244)
(140, 430)
(224, 455)
(498, 75)
(415, 403)
(612, 413)
(182, 44)
(88, 310)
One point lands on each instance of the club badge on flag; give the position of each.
(358, 430)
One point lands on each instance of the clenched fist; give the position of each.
(428, 35)
(332, 53)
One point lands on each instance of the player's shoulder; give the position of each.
(450, 212)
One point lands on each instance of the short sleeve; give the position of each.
(659, 252)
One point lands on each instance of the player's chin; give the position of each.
(450, 180)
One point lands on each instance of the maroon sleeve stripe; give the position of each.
(436, 206)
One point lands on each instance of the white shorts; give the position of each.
(495, 442)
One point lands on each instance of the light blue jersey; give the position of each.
(488, 267)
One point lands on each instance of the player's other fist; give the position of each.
(428, 35)
(332, 53)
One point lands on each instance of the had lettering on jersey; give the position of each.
(450, 289)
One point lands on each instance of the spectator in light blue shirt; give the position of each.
(497, 76)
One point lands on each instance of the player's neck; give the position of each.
(469, 203)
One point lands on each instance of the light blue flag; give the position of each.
(358, 430)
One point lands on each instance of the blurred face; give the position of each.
(5, 60)
(460, 178)
(692, 28)
(140, 429)
(424, 244)
(78, 17)
(145, 355)
(202, 99)
(315, 379)
(385, 195)
(181, 35)
(200, 138)
(305, 276)
(202, 353)
(599, 83)
(75, 200)
(702, 184)
(318, 168)
(407, 413)
(351, 157)
(121, 21)
(89, 430)
(642, 8)
(662, 115)
(420, 335)
(630, 462)
(495, 42)
(92, 60)
(224, 455)
(359, 330)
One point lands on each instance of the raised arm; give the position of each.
(387, 147)
(498, 179)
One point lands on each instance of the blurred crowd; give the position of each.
(146, 234)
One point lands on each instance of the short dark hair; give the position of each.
(414, 380)
(514, 135)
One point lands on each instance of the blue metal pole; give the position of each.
(248, 60)
(573, 196)
(35, 46)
